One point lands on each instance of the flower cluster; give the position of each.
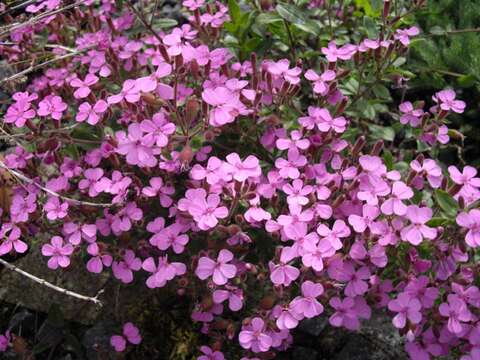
(163, 154)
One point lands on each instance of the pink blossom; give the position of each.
(282, 69)
(242, 170)
(470, 221)
(93, 177)
(296, 141)
(130, 334)
(226, 105)
(334, 235)
(58, 252)
(220, 270)
(83, 86)
(214, 172)
(208, 354)
(232, 294)
(323, 120)
(74, 233)
(348, 311)
(283, 274)
(157, 188)
(19, 113)
(356, 279)
(457, 313)
(307, 304)
(297, 193)
(415, 232)
(394, 204)
(92, 114)
(430, 169)
(55, 209)
(403, 35)
(407, 307)
(52, 105)
(170, 236)
(466, 178)
(333, 53)
(130, 93)
(136, 147)
(5, 341)
(447, 102)
(98, 260)
(203, 208)
(320, 82)
(254, 337)
(123, 270)
(162, 273)
(410, 115)
(360, 223)
(158, 129)
(290, 168)
(12, 241)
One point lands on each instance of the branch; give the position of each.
(51, 286)
(48, 191)
(38, 66)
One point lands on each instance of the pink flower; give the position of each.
(356, 279)
(232, 294)
(12, 241)
(130, 334)
(123, 270)
(338, 231)
(162, 273)
(348, 311)
(220, 270)
(403, 35)
(208, 354)
(74, 233)
(281, 69)
(91, 114)
(55, 209)
(130, 93)
(158, 129)
(333, 53)
(457, 312)
(430, 169)
(320, 82)
(157, 188)
(52, 105)
(254, 337)
(466, 178)
(204, 209)
(98, 259)
(18, 113)
(360, 223)
(297, 193)
(307, 304)
(471, 221)
(407, 307)
(415, 232)
(283, 274)
(136, 147)
(447, 102)
(289, 168)
(214, 172)
(324, 121)
(58, 252)
(170, 236)
(295, 142)
(242, 170)
(313, 253)
(394, 204)
(410, 115)
(83, 86)
(92, 179)
(5, 341)
(226, 105)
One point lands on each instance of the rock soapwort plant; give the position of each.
(265, 187)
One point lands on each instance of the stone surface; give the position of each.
(20, 290)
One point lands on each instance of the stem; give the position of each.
(290, 38)
(51, 286)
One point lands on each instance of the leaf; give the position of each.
(447, 203)
(297, 17)
(439, 221)
(381, 92)
(164, 23)
(371, 27)
(234, 11)
(388, 158)
(382, 132)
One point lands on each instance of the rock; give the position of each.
(304, 353)
(313, 326)
(97, 340)
(18, 289)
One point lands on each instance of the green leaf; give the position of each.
(164, 23)
(446, 202)
(388, 158)
(371, 27)
(298, 18)
(382, 132)
(234, 11)
(381, 92)
(440, 221)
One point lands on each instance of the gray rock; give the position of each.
(313, 326)
(304, 353)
